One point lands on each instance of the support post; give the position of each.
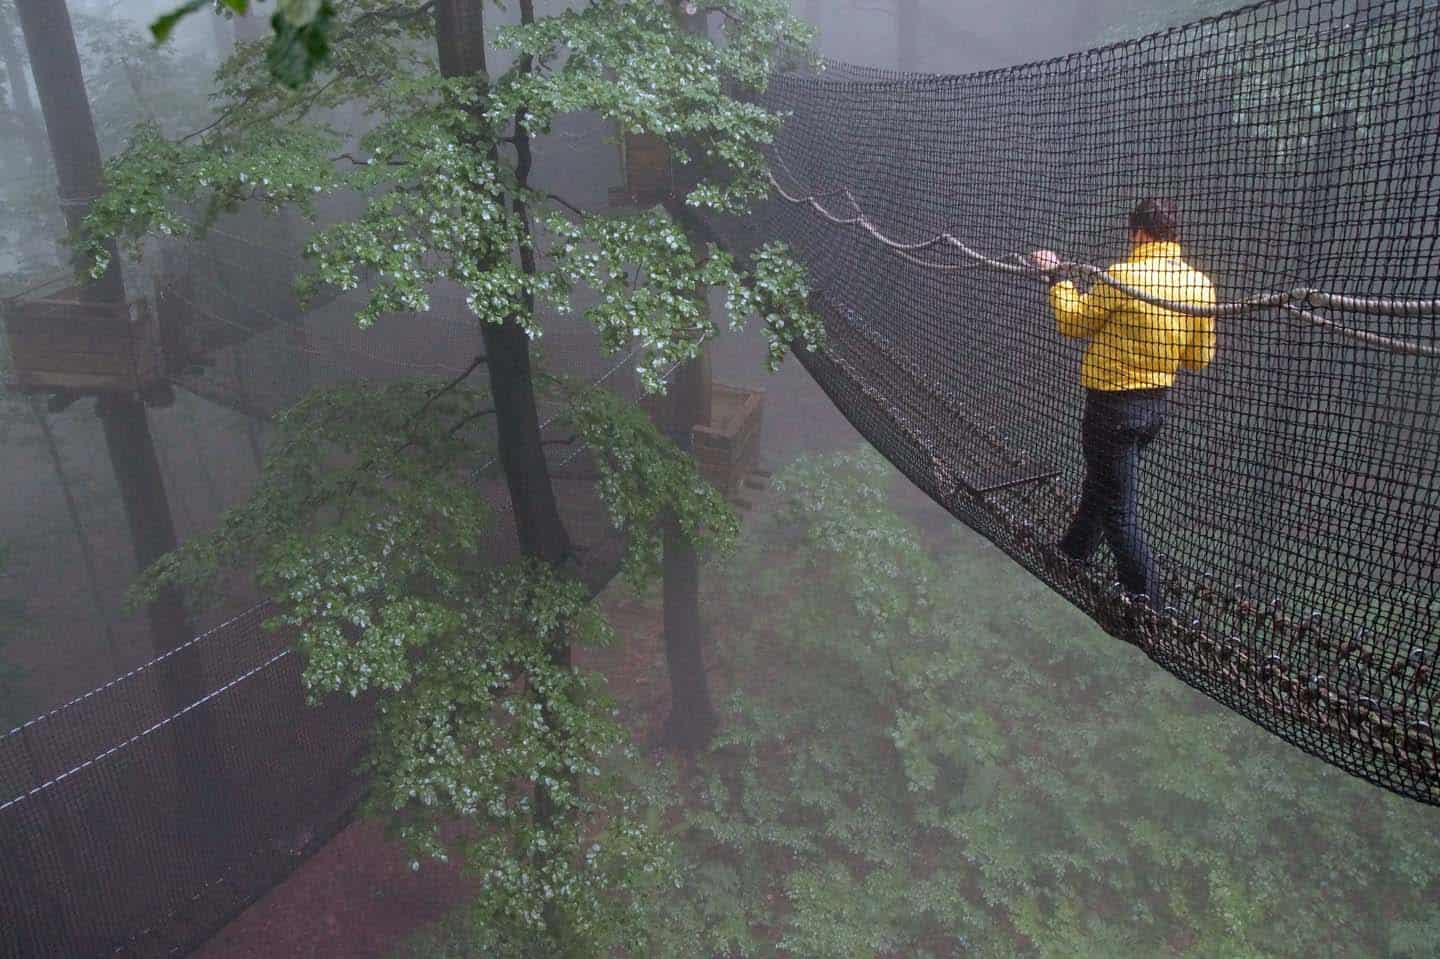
(692, 719)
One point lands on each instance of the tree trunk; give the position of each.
(527, 474)
(76, 153)
(20, 92)
(460, 37)
(60, 86)
(692, 720)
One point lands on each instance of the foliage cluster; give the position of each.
(903, 774)
(369, 533)
(444, 170)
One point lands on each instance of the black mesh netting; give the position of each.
(203, 772)
(1291, 499)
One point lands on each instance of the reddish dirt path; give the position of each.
(354, 899)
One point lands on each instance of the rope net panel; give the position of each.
(193, 781)
(1290, 499)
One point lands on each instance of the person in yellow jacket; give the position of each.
(1135, 349)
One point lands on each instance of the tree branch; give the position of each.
(567, 205)
(468, 420)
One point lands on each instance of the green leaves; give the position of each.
(302, 34)
(165, 24)
(644, 478)
(300, 13)
(302, 40)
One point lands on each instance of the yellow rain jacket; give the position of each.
(1135, 345)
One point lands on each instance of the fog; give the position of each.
(69, 543)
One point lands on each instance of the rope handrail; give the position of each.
(1298, 303)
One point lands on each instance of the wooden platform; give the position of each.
(64, 343)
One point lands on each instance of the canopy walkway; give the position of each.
(1293, 496)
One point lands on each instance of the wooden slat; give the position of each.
(995, 482)
(27, 342)
(77, 382)
(52, 360)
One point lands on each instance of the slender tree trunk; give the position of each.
(72, 509)
(76, 152)
(460, 35)
(60, 85)
(692, 720)
(20, 93)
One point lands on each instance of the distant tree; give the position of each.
(365, 529)
(12, 619)
(129, 80)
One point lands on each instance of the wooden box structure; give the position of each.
(728, 450)
(649, 176)
(64, 343)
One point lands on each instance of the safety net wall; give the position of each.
(1291, 497)
(184, 788)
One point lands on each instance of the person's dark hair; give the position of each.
(1157, 216)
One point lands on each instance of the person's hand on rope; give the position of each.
(1048, 263)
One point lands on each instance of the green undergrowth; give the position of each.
(928, 756)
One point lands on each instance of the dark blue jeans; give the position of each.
(1115, 428)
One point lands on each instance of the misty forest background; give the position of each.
(920, 751)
